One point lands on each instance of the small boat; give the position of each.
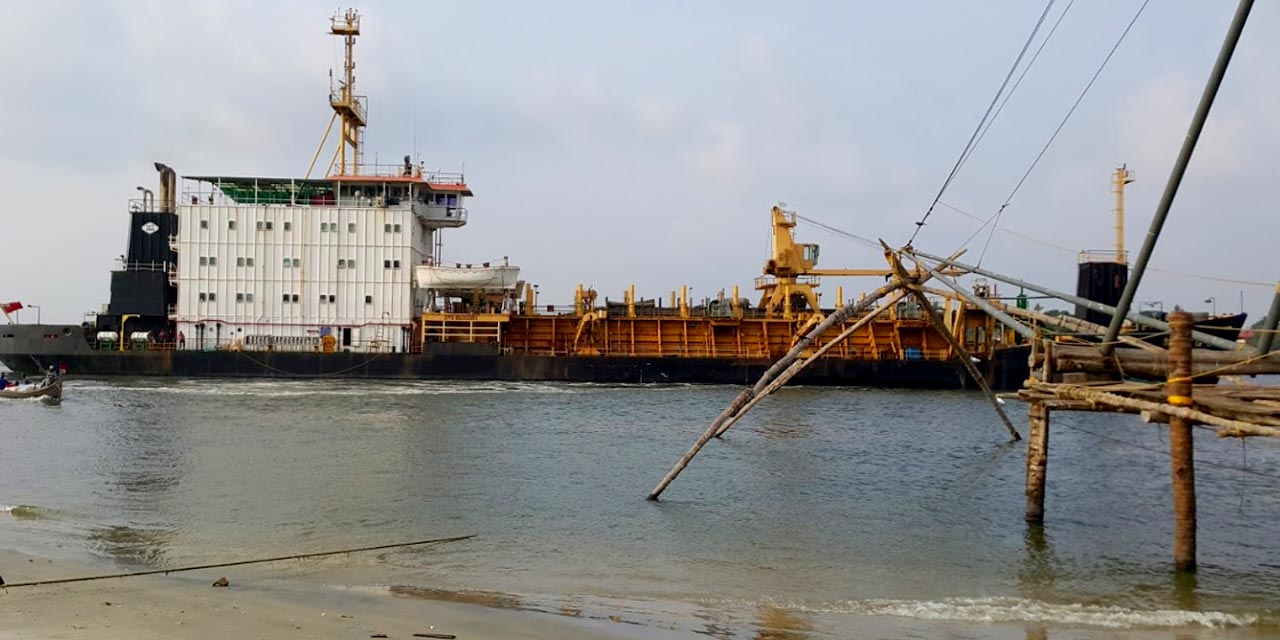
(468, 277)
(47, 388)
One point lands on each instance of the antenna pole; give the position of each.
(346, 104)
(1121, 177)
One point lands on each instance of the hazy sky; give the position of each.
(612, 143)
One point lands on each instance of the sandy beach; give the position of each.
(259, 603)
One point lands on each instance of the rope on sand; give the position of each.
(300, 556)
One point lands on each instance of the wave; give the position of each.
(997, 609)
(299, 388)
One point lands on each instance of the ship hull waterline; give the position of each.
(483, 362)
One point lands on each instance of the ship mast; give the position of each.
(1119, 179)
(346, 105)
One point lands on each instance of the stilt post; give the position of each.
(1037, 460)
(1181, 445)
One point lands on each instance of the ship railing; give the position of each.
(1104, 255)
(124, 265)
(339, 98)
(769, 280)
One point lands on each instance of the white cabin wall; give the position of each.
(350, 233)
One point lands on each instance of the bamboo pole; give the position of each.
(1228, 428)
(1037, 460)
(1155, 365)
(1182, 444)
(963, 355)
(1135, 318)
(778, 367)
(799, 365)
(1179, 169)
(956, 346)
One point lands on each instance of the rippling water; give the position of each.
(824, 512)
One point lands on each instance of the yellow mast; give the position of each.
(346, 105)
(1119, 179)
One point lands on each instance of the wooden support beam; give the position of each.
(1181, 444)
(1155, 365)
(1037, 460)
(799, 365)
(778, 367)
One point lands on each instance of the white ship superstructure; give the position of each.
(309, 264)
(282, 263)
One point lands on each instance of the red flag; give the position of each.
(10, 307)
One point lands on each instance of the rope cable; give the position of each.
(1008, 200)
(981, 123)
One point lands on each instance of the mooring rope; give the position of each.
(234, 563)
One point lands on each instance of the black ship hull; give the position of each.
(485, 362)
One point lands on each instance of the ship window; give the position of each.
(368, 299)
(295, 297)
(297, 262)
(213, 261)
(323, 298)
(239, 262)
(324, 226)
(351, 264)
(351, 227)
(386, 264)
(288, 225)
(453, 200)
(386, 228)
(439, 198)
(342, 264)
(203, 297)
(331, 297)
(260, 225)
(286, 298)
(248, 297)
(248, 262)
(213, 297)
(270, 225)
(286, 263)
(395, 228)
(239, 297)
(231, 224)
(396, 264)
(204, 224)
(204, 261)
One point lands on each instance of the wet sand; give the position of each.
(258, 604)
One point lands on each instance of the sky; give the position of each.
(617, 143)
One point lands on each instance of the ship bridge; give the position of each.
(436, 198)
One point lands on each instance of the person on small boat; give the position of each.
(4, 382)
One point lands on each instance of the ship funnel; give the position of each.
(168, 187)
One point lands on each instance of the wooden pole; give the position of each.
(778, 367)
(1181, 444)
(799, 365)
(1037, 460)
(963, 356)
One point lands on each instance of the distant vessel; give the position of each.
(343, 276)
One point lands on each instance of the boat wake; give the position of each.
(996, 609)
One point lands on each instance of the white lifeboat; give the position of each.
(469, 277)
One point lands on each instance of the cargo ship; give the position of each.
(341, 276)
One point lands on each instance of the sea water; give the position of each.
(826, 513)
